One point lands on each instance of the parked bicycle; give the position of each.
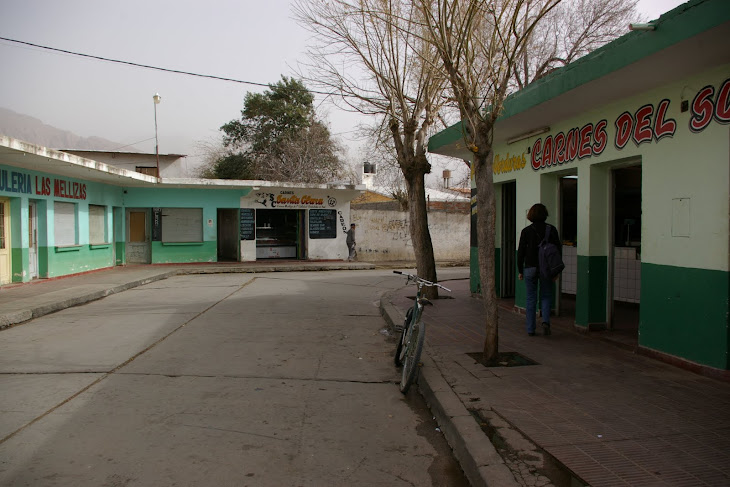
(410, 344)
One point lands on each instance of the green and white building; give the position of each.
(63, 214)
(629, 148)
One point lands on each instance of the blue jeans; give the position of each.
(532, 277)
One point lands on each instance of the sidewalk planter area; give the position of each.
(628, 149)
(62, 214)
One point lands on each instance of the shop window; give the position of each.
(64, 219)
(97, 224)
(182, 225)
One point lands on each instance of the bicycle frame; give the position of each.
(410, 345)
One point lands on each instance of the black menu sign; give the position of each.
(322, 223)
(248, 224)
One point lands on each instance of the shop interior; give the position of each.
(279, 234)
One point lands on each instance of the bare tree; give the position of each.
(571, 30)
(479, 43)
(308, 155)
(371, 52)
(210, 151)
(389, 177)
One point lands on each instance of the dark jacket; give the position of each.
(530, 238)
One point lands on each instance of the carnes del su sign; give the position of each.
(644, 125)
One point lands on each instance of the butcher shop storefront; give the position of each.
(295, 223)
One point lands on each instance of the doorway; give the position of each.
(228, 235)
(138, 245)
(568, 231)
(509, 245)
(625, 255)
(5, 263)
(33, 240)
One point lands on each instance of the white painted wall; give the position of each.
(171, 166)
(385, 236)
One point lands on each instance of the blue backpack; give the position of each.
(551, 263)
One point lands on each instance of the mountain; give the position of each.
(32, 130)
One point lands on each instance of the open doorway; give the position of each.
(569, 237)
(625, 252)
(228, 239)
(509, 244)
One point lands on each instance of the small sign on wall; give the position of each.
(248, 224)
(156, 224)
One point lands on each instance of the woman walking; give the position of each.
(528, 267)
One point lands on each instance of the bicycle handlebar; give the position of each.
(421, 280)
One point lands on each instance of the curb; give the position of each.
(479, 459)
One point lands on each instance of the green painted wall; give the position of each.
(684, 312)
(121, 256)
(168, 253)
(207, 199)
(17, 273)
(591, 295)
(77, 259)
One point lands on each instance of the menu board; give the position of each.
(156, 224)
(322, 223)
(248, 224)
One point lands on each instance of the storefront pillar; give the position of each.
(593, 238)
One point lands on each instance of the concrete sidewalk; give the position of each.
(588, 412)
(22, 302)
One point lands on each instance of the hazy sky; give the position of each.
(246, 40)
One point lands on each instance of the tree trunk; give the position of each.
(486, 221)
(420, 235)
(414, 165)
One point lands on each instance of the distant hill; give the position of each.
(30, 129)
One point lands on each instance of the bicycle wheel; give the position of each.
(414, 347)
(398, 359)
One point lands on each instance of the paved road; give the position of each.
(272, 379)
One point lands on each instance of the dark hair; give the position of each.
(352, 224)
(538, 213)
